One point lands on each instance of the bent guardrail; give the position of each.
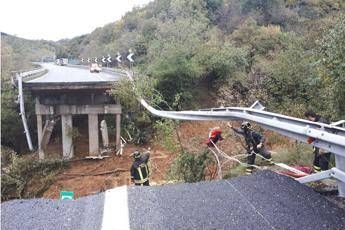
(17, 80)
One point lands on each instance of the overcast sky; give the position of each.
(57, 19)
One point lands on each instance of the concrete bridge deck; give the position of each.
(64, 74)
(66, 77)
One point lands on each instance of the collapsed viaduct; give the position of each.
(66, 91)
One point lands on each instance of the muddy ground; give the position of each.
(86, 177)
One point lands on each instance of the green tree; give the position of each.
(137, 122)
(332, 49)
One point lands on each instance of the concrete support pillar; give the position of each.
(39, 137)
(118, 131)
(46, 134)
(93, 135)
(105, 136)
(67, 142)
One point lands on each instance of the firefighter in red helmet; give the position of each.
(214, 136)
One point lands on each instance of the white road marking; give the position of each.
(115, 213)
(100, 77)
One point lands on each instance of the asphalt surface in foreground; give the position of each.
(264, 200)
(42, 214)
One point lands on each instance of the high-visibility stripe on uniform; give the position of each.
(140, 173)
(317, 168)
(142, 179)
(249, 171)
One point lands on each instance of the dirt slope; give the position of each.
(193, 135)
(81, 178)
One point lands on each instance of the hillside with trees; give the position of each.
(192, 54)
(202, 53)
(287, 53)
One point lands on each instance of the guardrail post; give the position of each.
(340, 164)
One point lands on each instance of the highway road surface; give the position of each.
(264, 200)
(66, 74)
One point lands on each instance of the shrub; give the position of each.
(22, 171)
(136, 121)
(165, 129)
(189, 167)
(298, 154)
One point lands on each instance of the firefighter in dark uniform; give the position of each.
(321, 158)
(140, 170)
(254, 144)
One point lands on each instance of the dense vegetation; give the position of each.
(288, 53)
(17, 174)
(25, 177)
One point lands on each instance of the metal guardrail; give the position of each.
(26, 75)
(328, 137)
(22, 111)
(32, 72)
(17, 80)
(340, 123)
